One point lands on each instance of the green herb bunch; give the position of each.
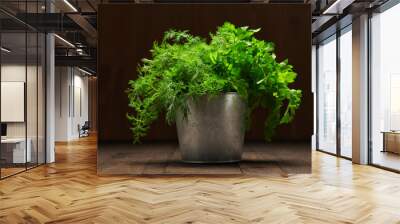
(184, 66)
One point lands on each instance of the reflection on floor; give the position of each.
(11, 169)
(164, 158)
(386, 159)
(5, 172)
(70, 191)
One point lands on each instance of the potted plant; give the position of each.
(210, 88)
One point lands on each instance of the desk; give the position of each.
(391, 141)
(13, 150)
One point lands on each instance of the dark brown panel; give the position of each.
(126, 33)
(92, 86)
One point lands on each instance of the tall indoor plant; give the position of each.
(185, 69)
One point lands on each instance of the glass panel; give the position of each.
(14, 153)
(385, 87)
(23, 89)
(41, 98)
(31, 87)
(327, 96)
(346, 94)
(32, 95)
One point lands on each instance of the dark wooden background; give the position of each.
(127, 32)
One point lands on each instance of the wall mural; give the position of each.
(221, 69)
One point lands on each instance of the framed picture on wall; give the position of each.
(12, 101)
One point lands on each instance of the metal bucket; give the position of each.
(213, 131)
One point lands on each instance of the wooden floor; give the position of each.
(9, 171)
(69, 191)
(386, 159)
(5, 172)
(164, 158)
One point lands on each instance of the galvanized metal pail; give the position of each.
(214, 129)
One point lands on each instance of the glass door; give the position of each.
(326, 72)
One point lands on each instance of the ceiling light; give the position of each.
(65, 41)
(79, 51)
(84, 71)
(5, 50)
(337, 7)
(70, 5)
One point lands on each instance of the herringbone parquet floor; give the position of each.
(69, 191)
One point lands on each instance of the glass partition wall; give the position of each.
(385, 89)
(334, 93)
(345, 65)
(22, 98)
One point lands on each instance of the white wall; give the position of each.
(71, 102)
(80, 110)
(62, 82)
(14, 73)
(17, 73)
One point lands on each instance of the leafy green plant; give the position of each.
(184, 66)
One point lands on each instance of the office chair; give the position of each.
(84, 130)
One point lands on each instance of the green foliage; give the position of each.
(185, 66)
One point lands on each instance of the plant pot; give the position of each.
(214, 129)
